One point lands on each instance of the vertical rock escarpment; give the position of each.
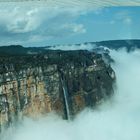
(62, 81)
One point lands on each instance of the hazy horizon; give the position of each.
(74, 43)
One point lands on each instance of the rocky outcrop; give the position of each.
(62, 81)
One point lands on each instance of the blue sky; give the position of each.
(111, 23)
(41, 26)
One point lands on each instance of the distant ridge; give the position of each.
(130, 44)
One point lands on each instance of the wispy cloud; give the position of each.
(122, 16)
(127, 20)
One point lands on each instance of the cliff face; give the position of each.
(62, 81)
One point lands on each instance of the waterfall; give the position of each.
(65, 93)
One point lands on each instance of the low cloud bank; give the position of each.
(117, 119)
(87, 46)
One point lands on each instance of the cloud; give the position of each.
(74, 47)
(75, 28)
(127, 20)
(123, 16)
(23, 23)
(112, 22)
(117, 119)
(29, 23)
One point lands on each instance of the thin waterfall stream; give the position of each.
(65, 93)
